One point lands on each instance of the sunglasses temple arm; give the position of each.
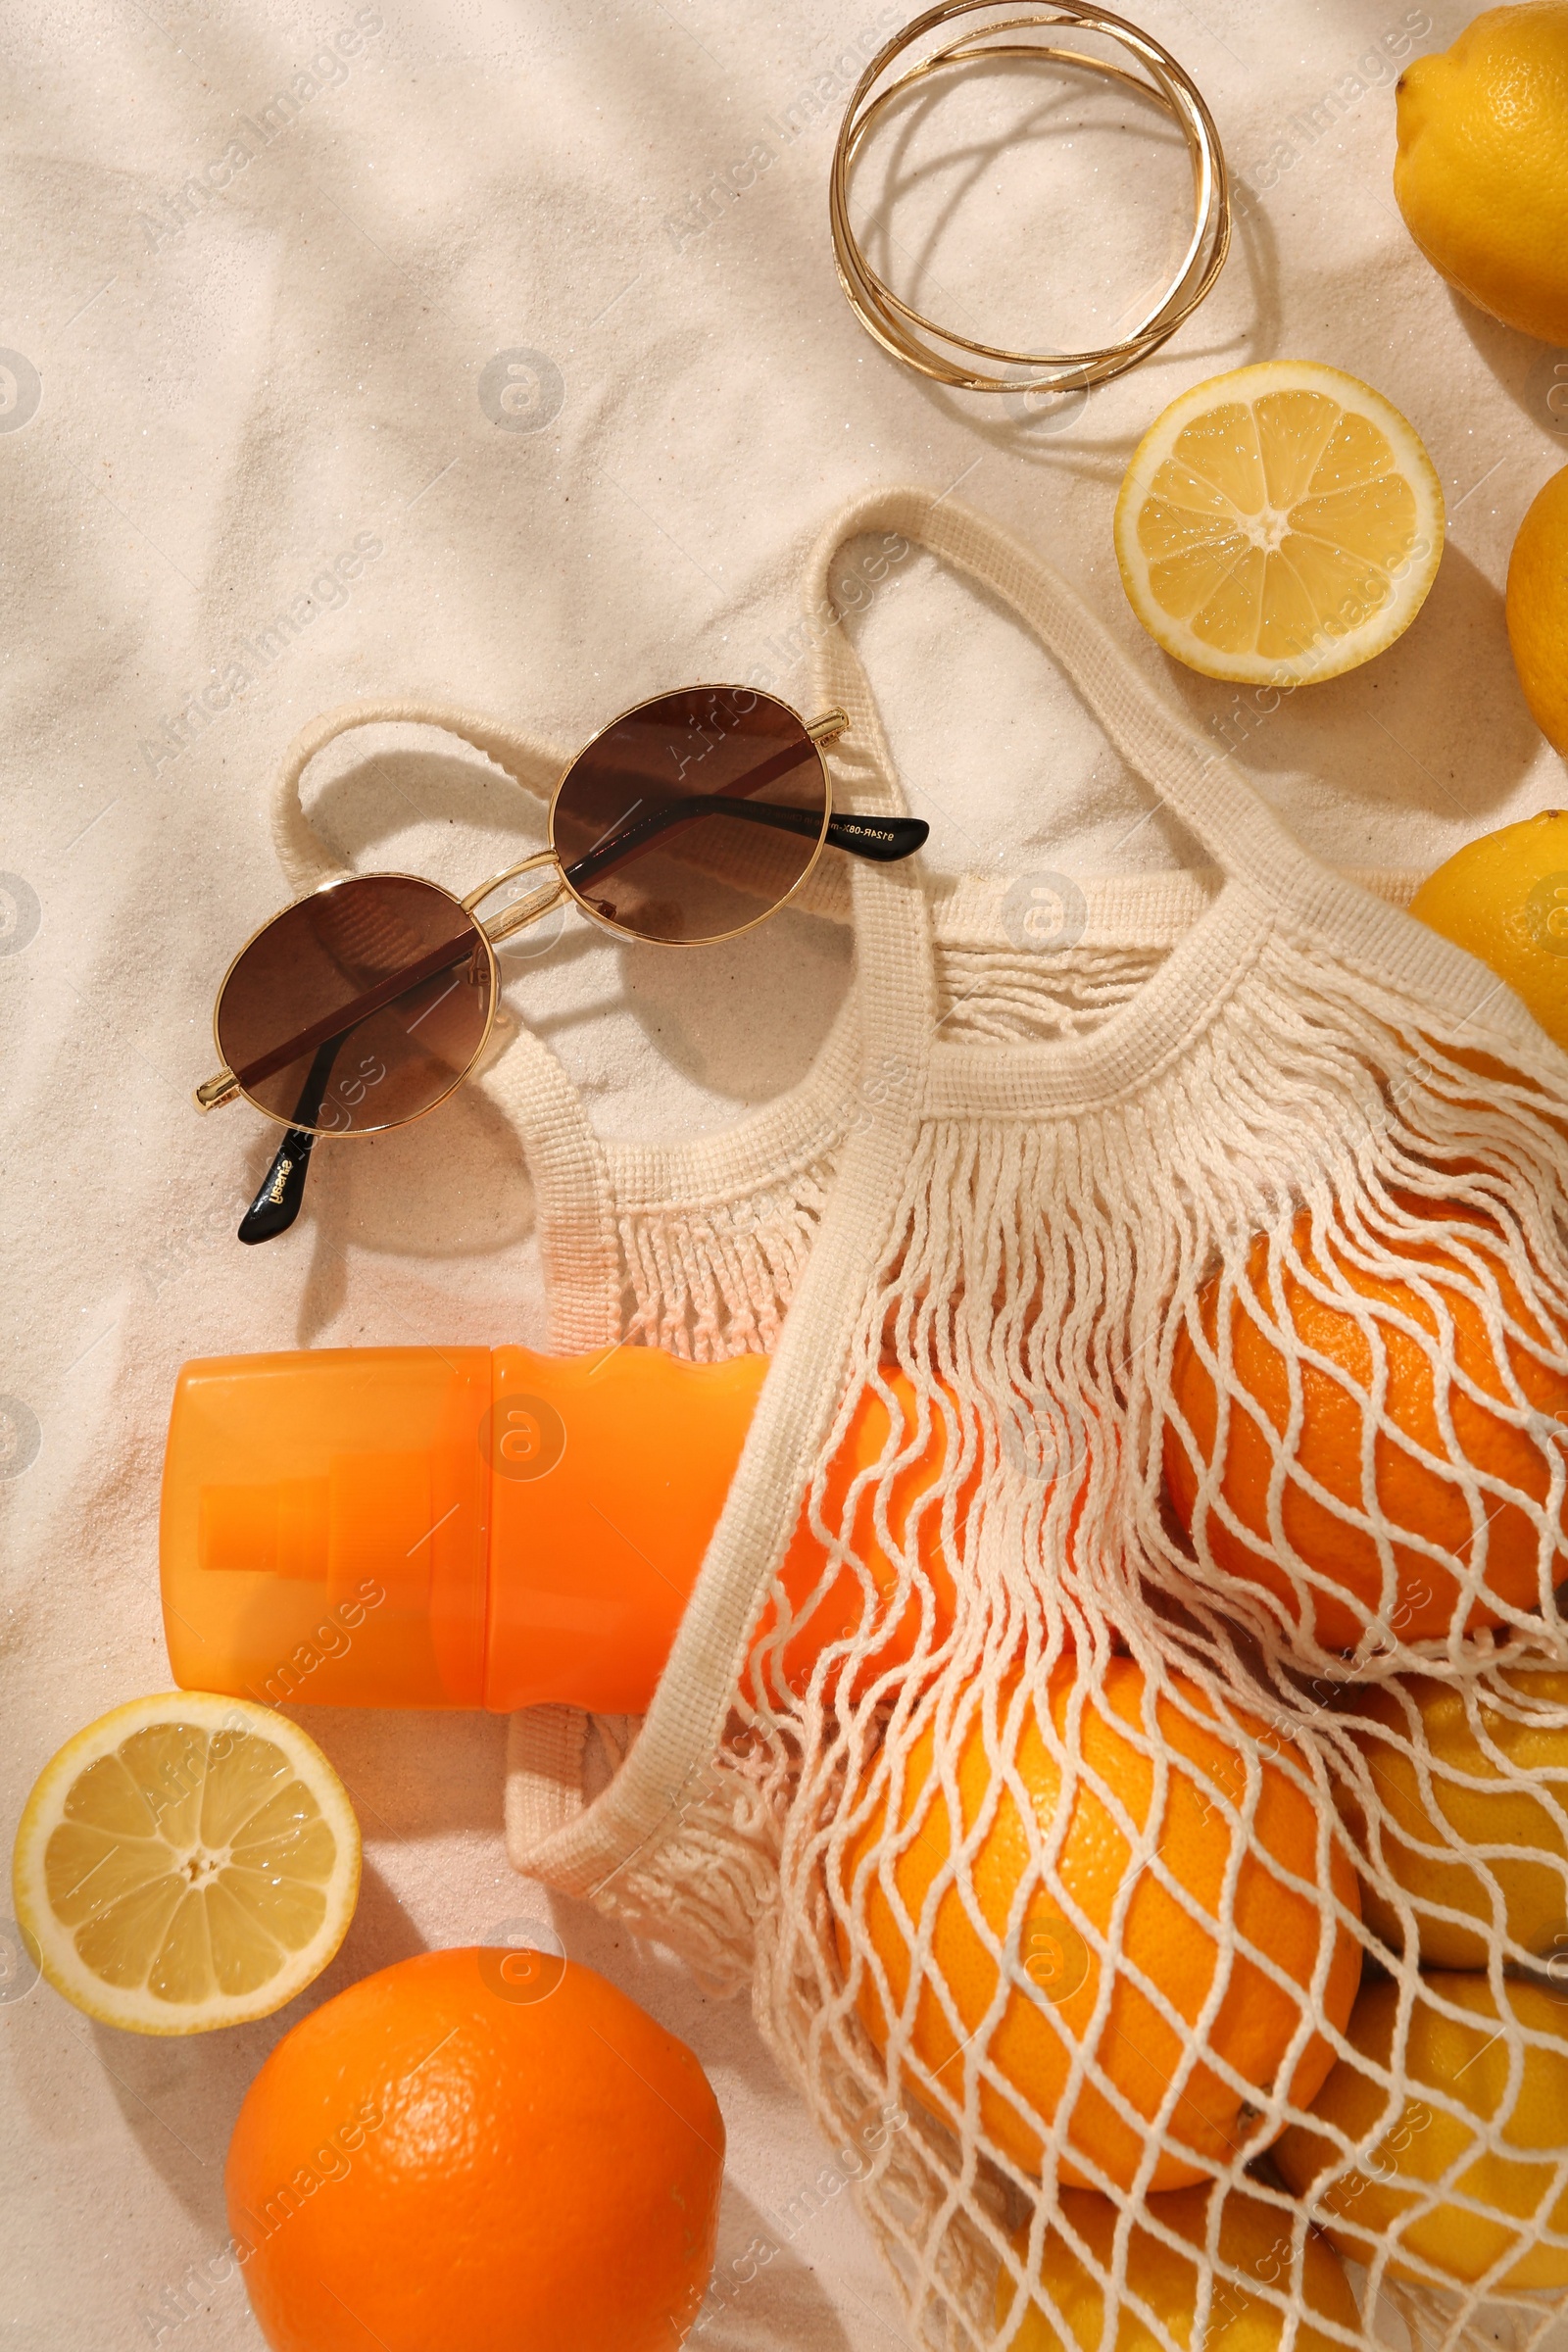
(885, 839)
(282, 1192)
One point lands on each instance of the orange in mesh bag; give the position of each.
(846, 1577)
(1374, 1443)
(1149, 1879)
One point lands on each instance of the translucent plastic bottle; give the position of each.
(467, 1527)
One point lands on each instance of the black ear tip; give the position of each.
(904, 835)
(277, 1203)
(265, 1223)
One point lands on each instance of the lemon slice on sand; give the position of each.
(1279, 524)
(185, 1862)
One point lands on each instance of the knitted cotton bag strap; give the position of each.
(896, 986)
(575, 1219)
(1204, 787)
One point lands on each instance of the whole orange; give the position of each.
(835, 1602)
(1416, 1494)
(1187, 1836)
(476, 2152)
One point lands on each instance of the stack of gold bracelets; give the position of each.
(1027, 32)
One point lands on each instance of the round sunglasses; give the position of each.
(686, 822)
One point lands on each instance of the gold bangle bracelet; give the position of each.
(941, 352)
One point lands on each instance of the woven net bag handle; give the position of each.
(572, 1202)
(1210, 795)
(1204, 788)
(897, 983)
(305, 858)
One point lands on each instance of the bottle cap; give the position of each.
(324, 1534)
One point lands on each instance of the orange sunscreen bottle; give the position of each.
(467, 1527)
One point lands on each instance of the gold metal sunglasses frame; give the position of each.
(885, 839)
(223, 1087)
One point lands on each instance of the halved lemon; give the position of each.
(187, 1861)
(1279, 524)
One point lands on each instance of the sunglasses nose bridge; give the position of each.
(527, 911)
(509, 873)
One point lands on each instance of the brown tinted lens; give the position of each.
(359, 1008)
(694, 814)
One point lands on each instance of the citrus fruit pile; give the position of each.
(1360, 1438)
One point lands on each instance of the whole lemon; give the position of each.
(1482, 172)
(1491, 2141)
(1538, 610)
(1247, 2313)
(1460, 1774)
(1505, 898)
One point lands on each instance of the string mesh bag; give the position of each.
(1248, 1366)
(1117, 1733)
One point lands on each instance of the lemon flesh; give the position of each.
(1254, 2288)
(1497, 1776)
(1279, 525)
(1504, 897)
(1466, 2136)
(188, 1861)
